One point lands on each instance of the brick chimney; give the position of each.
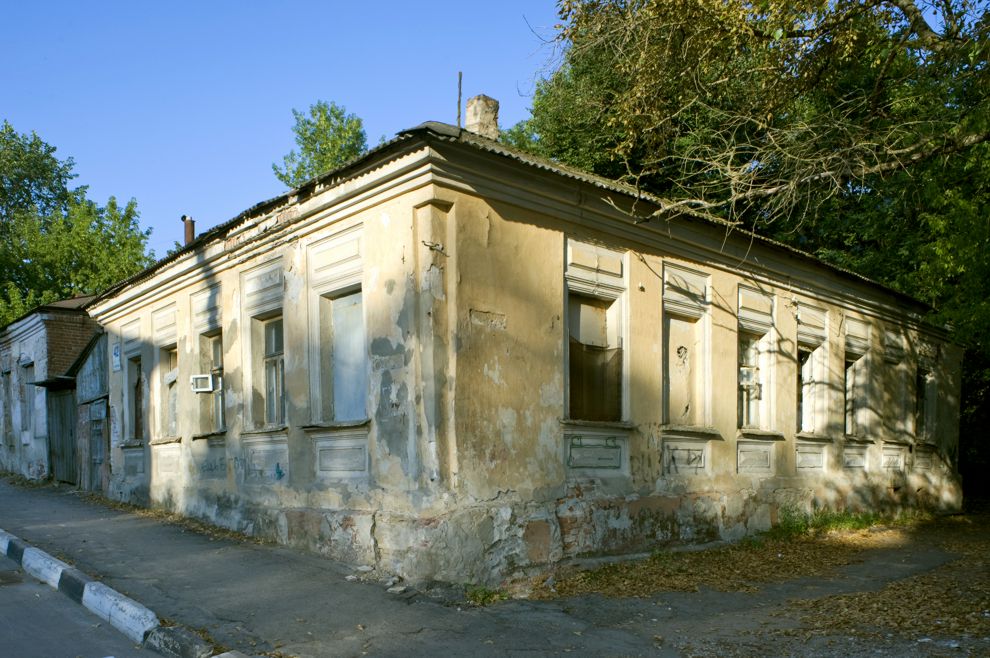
(481, 117)
(190, 227)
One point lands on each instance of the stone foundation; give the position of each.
(490, 542)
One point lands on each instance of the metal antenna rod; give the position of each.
(459, 74)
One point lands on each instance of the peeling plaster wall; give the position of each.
(467, 467)
(513, 488)
(509, 345)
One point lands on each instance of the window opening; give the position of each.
(750, 380)
(595, 359)
(274, 364)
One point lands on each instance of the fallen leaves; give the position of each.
(953, 599)
(748, 564)
(737, 567)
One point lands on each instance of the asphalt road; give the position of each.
(39, 622)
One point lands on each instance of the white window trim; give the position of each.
(857, 345)
(335, 268)
(812, 336)
(262, 292)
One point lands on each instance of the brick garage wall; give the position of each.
(68, 335)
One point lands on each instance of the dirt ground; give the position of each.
(910, 588)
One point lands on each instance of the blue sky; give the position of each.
(185, 105)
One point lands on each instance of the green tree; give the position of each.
(756, 112)
(56, 243)
(327, 137)
(31, 177)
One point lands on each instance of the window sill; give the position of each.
(691, 432)
(165, 440)
(338, 425)
(211, 437)
(132, 443)
(758, 434)
(273, 429)
(601, 424)
(812, 437)
(855, 439)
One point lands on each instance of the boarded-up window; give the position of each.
(686, 354)
(344, 377)
(595, 359)
(683, 368)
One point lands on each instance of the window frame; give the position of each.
(168, 365)
(598, 273)
(136, 390)
(924, 404)
(273, 373)
(612, 315)
(212, 412)
(218, 411)
(756, 354)
(856, 378)
(751, 389)
(27, 398)
(812, 373)
(331, 400)
(7, 427)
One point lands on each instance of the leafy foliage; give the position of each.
(327, 137)
(754, 112)
(56, 243)
(30, 175)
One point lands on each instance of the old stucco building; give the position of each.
(37, 407)
(453, 361)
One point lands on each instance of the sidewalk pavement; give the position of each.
(267, 600)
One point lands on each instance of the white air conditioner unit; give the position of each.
(202, 383)
(749, 376)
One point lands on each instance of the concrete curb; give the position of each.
(134, 620)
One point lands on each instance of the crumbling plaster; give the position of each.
(467, 476)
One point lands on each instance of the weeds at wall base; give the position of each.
(480, 595)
